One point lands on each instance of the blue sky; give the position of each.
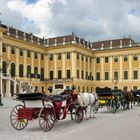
(31, 1)
(90, 19)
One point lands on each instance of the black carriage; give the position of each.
(136, 94)
(109, 98)
(52, 108)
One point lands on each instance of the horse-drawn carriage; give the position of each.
(109, 98)
(51, 108)
(136, 94)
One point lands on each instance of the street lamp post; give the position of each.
(0, 20)
(0, 77)
(1, 69)
(0, 83)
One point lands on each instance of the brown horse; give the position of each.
(129, 98)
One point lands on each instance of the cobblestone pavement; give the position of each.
(106, 126)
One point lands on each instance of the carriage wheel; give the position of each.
(79, 114)
(47, 117)
(16, 122)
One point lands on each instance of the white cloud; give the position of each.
(37, 13)
(90, 19)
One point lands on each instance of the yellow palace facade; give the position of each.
(63, 61)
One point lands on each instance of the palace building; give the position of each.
(62, 61)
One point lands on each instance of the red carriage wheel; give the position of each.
(79, 114)
(16, 122)
(47, 117)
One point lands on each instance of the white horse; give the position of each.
(89, 100)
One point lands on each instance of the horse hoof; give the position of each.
(94, 117)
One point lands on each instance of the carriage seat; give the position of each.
(30, 96)
(61, 97)
(57, 98)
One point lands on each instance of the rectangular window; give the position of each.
(68, 55)
(12, 50)
(77, 74)
(51, 75)
(106, 59)
(42, 88)
(125, 75)
(68, 74)
(35, 55)
(59, 74)
(135, 87)
(42, 56)
(106, 75)
(82, 58)
(87, 89)
(98, 60)
(98, 76)
(135, 74)
(21, 52)
(78, 56)
(90, 60)
(125, 88)
(28, 53)
(116, 75)
(82, 74)
(86, 59)
(86, 75)
(3, 48)
(125, 58)
(90, 76)
(115, 87)
(36, 88)
(135, 57)
(51, 57)
(83, 89)
(115, 58)
(59, 56)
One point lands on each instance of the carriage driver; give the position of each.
(74, 94)
(50, 89)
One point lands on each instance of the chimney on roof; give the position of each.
(44, 40)
(130, 43)
(91, 45)
(74, 40)
(120, 43)
(16, 33)
(8, 33)
(31, 37)
(79, 40)
(84, 43)
(47, 42)
(24, 36)
(64, 40)
(38, 41)
(55, 42)
(102, 47)
(110, 44)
